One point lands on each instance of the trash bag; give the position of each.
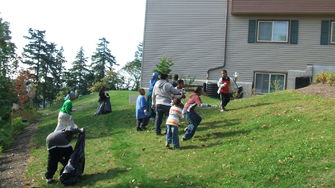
(76, 164)
(104, 107)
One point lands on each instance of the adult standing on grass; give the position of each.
(151, 111)
(224, 84)
(59, 149)
(189, 112)
(65, 115)
(161, 100)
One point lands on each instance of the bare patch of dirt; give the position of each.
(13, 161)
(324, 90)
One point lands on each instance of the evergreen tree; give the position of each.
(79, 73)
(7, 50)
(58, 72)
(7, 57)
(102, 60)
(45, 62)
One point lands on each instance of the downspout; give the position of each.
(225, 43)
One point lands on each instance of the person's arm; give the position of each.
(172, 90)
(153, 98)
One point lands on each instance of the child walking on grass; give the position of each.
(172, 124)
(141, 111)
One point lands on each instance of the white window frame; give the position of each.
(273, 41)
(270, 74)
(332, 25)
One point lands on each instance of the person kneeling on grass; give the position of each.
(172, 123)
(60, 150)
(189, 112)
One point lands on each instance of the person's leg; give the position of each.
(175, 137)
(168, 135)
(53, 158)
(66, 154)
(226, 99)
(222, 100)
(194, 119)
(145, 123)
(166, 112)
(190, 127)
(159, 118)
(139, 124)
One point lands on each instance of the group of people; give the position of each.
(164, 98)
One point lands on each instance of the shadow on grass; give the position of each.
(201, 146)
(216, 135)
(250, 106)
(218, 124)
(91, 179)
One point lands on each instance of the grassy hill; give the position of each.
(284, 139)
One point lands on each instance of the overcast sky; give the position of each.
(76, 23)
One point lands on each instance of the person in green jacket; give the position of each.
(65, 115)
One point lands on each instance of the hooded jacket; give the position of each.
(163, 92)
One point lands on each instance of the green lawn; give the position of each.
(284, 139)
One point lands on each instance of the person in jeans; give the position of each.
(141, 111)
(59, 149)
(161, 100)
(172, 124)
(189, 112)
(224, 84)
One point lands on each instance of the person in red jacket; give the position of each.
(224, 84)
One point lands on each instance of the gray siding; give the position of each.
(192, 33)
(246, 57)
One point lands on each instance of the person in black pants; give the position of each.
(60, 150)
(224, 84)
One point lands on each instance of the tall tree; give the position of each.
(7, 50)
(41, 56)
(79, 72)
(7, 57)
(102, 60)
(133, 69)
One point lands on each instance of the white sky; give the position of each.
(76, 23)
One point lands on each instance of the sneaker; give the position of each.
(183, 139)
(185, 129)
(50, 181)
(167, 145)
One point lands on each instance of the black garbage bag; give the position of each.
(75, 166)
(104, 107)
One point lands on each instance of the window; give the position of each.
(332, 34)
(272, 31)
(269, 82)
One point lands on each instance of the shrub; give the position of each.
(8, 130)
(325, 77)
(164, 65)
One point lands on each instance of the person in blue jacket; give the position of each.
(141, 111)
(151, 112)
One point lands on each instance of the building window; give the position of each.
(272, 31)
(332, 34)
(269, 82)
